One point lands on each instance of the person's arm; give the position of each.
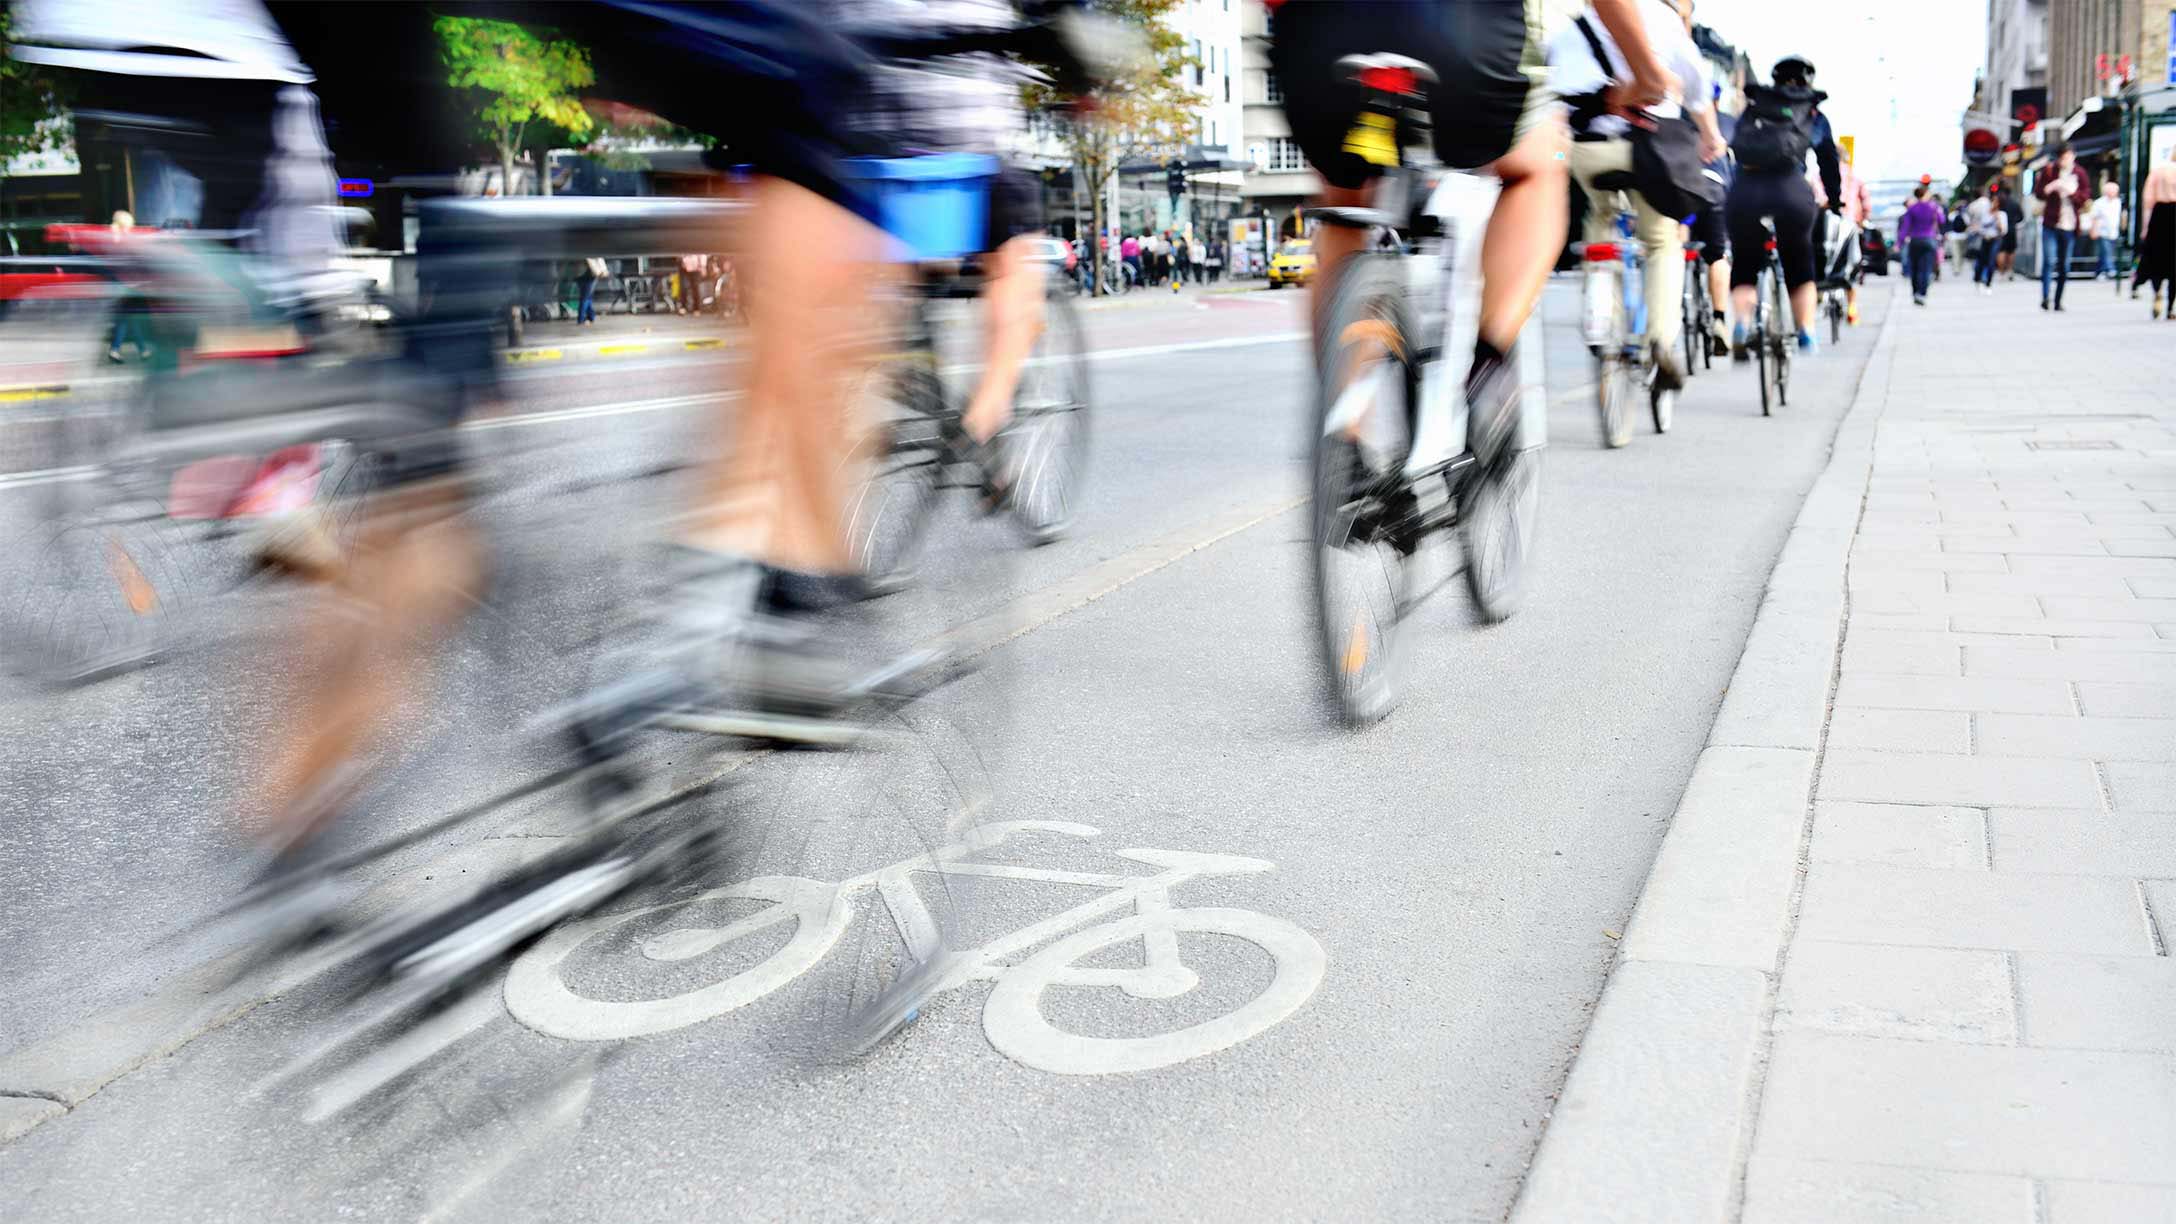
(1712, 144)
(1651, 82)
(1831, 163)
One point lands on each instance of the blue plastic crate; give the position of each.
(935, 206)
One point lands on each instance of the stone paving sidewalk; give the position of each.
(1964, 1008)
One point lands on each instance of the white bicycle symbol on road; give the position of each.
(1012, 1018)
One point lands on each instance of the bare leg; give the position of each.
(776, 488)
(1334, 244)
(1803, 302)
(414, 572)
(1012, 299)
(1525, 233)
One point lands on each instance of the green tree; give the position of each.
(520, 77)
(33, 105)
(1144, 113)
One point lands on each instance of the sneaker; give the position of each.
(1669, 372)
(1739, 353)
(1492, 399)
(1808, 346)
(1851, 314)
(1918, 300)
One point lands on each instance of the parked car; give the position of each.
(37, 265)
(1294, 264)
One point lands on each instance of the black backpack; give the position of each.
(1775, 131)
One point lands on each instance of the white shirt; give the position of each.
(1573, 70)
(2106, 216)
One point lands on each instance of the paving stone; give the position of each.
(1877, 690)
(1781, 1190)
(2099, 698)
(2078, 607)
(1873, 990)
(1880, 904)
(2094, 567)
(2092, 739)
(1865, 580)
(1915, 654)
(1978, 780)
(2142, 548)
(2150, 588)
(2082, 1115)
(2097, 1002)
(2141, 787)
(2044, 546)
(1900, 834)
(1914, 622)
(2067, 663)
(1900, 730)
(2049, 626)
(2083, 842)
(2036, 584)
(2104, 1203)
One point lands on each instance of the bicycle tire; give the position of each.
(1613, 392)
(899, 469)
(1367, 334)
(1835, 322)
(1692, 331)
(1762, 356)
(1047, 446)
(1498, 525)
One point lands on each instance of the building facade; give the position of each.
(2089, 40)
(2017, 57)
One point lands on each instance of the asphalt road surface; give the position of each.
(1294, 972)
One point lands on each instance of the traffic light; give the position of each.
(1175, 180)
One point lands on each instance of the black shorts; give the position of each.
(1482, 51)
(1016, 207)
(1712, 233)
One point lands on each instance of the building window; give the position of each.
(1199, 70)
(1227, 89)
(1285, 155)
(1270, 92)
(1212, 141)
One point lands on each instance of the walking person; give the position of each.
(1129, 257)
(2104, 221)
(593, 270)
(2157, 249)
(1918, 233)
(1988, 225)
(2013, 212)
(1198, 256)
(2061, 189)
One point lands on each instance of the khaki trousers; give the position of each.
(1661, 237)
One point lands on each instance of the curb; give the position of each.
(1655, 1117)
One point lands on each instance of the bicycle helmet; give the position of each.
(1792, 67)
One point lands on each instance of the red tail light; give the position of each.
(1769, 245)
(1390, 80)
(1603, 252)
(1691, 255)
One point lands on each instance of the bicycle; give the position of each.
(1772, 334)
(1698, 310)
(1616, 329)
(921, 447)
(1392, 459)
(541, 995)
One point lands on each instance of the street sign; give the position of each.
(357, 189)
(1981, 146)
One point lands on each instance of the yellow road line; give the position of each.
(617, 350)
(704, 344)
(520, 355)
(17, 395)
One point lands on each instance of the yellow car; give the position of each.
(1294, 264)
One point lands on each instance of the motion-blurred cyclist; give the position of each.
(1780, 124)
(1491, 107)
(1584, 64)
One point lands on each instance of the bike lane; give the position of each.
(1461, 869)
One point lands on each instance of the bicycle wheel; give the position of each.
(1781, 334)
(1766, 361)
(1498, 522)
(1692, 331)
(898, 469)
(1360, 444)
(1046, 446)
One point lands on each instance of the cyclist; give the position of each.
(1710, 229)
(1490, 107)
(1584, 63)
(1780, 124)
(1857, 205)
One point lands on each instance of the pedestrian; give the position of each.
(2104, 220)
(691, 275)
(1181, 258)
(128, 327)
(593, 270)
(1918, 233)
(2157, 249)
(1988, 225)
(1215, 260)
(2063, 194)
(1129, 257)
(1198, 257)
(2013, 211)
